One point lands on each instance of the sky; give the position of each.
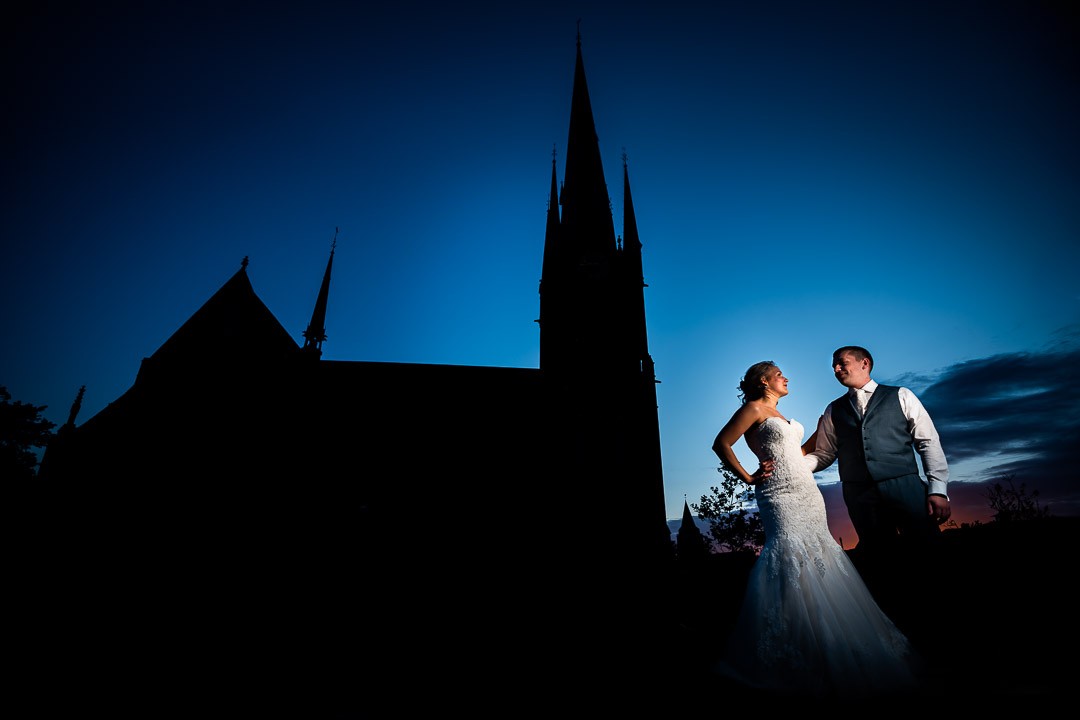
(903, 176)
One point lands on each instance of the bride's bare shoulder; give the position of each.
(755, 414)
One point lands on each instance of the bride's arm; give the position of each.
(725, 440)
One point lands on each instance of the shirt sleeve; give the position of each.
(825, 446)
(926, 441)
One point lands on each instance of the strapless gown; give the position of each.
(808, 624)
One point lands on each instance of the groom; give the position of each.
(874, 431)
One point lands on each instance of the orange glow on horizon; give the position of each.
(967, 508)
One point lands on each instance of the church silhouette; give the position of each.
(248, 504)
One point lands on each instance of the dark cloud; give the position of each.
(1011, 415)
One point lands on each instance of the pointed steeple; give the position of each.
(692, 544)
(687, 516)
(553, 232)
(316, 329)
(636, 275)
(588, 230)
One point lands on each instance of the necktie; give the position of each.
(861, 398)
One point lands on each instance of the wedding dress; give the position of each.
(808, 625)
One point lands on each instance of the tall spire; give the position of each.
(586, 207)
(316, 329)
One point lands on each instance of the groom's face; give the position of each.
(850, 372)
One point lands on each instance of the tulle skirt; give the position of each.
(808, 626)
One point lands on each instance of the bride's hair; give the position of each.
(751, 387)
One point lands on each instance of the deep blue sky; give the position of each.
(900, 175)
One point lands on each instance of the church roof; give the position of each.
(233, 323)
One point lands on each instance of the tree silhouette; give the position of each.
(733, 526)
(1011, 503)
(21, 428)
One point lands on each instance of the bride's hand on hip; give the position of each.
(763, 472)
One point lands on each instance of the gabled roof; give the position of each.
(233, 324)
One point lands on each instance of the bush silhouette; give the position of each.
(21, 428)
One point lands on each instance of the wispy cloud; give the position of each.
(1014, 414)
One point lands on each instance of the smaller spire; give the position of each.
(553, 199)
(75, 407)
(244, 263)
(316, 329)
(690, 540)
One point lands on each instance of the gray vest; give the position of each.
(875, 447)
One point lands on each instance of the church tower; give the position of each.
(577, 334)
(593, 341)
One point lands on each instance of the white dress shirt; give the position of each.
(925, 436)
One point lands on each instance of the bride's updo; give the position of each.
(751, 386)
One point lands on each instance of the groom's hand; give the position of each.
(939, 508)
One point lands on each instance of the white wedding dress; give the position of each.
(808, 624)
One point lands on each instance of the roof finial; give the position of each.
(624, 157)
(333, 243)
(579, 32)
(244, 262)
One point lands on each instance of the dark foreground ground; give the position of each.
(1008, 635)
(228, 634)
(1006, 643)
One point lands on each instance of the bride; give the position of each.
(808, 625)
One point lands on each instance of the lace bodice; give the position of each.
(778, 439)
(789, 501)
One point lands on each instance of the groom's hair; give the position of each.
(859, 353)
